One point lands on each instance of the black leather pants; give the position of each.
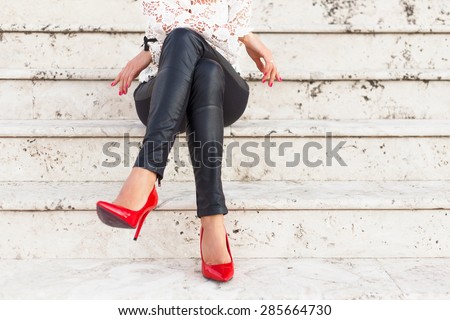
(196, 91)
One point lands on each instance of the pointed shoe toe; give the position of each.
(218, 272)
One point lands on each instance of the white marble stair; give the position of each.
(86, 98)
(270, 219)
(268, 16)
(105, 150)
(318, 51)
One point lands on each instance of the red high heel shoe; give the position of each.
(218, 272)
(120, 217)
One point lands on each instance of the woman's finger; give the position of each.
(279, 77)
(125, 86)
(265, 68)
(272, 76)
(260, 65)
(116, 80)
(268, 65)
(120, 86)
(266, 76)
(121, 91)
(267, 72)
(123, 81)
(127, 78)
(128, 82)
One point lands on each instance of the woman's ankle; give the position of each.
(212, 221)
(144, 174)
(139, 184)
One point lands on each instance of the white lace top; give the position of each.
(220, 22)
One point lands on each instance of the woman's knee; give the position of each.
(208, 86)
(208, 71)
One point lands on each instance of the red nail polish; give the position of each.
(281, 79)
(112, 83)
(271, 84)
(264, 81)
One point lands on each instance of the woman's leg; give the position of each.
(204, 132)
(180, 53)
(235, 98)
(205, 136)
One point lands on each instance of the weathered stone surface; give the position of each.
(317, 219)
(312, 52)
(267, 15)
(105, 150)
(365, 99)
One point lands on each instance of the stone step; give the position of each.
(105, 150)
(267, 16)
(320, 219)
(295, 100)
(292, 74)
(181, 279)
(342, 52)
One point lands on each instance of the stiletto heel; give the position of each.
(139, 226)
(120, 217)
(219, 272)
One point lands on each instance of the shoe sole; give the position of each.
(111, 220)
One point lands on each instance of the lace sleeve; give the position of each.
(154, 47)
(240, 14)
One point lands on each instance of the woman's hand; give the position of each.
(131, 71)
(257, 50)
